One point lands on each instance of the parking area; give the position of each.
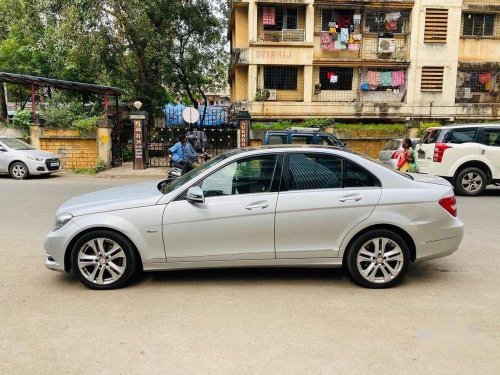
(444, 319)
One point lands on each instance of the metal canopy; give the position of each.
(59, 84)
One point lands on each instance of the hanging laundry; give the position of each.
(460, 79)
(398, 78)
(344, 21)
(386, 79)
(391, 26)
(339, 44)
(344, 35)
(484, 78)
(269, 16)
(392, 16)
(373, 79)
(354, 46)
(467, 93)
(332, 77)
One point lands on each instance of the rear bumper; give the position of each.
(439, 239)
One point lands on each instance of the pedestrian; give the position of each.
(406, 158)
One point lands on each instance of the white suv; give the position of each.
(466, 155)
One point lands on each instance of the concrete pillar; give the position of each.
(35, 133)
(104, 142)
(252, 21)
(308, 83)
(252, 81)
(310, 23)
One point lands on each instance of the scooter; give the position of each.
(176, 169)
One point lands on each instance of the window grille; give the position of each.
(336, 18)
(332, 78)
(436, 25)
(478, 24)
(393, 21)
(432, 79)
(285, 18)
(280, 77)
(383, 84)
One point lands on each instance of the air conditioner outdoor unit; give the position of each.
(386, 45)
(272, 95)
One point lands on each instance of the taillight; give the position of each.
(449, 204)
(439, 150)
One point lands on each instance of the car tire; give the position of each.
(103, 260)
(471, 182)
(18, 170)
(378, 259)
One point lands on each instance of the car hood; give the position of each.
(43, 154)
(118, 198)
(427, 178)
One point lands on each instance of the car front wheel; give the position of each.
(103, 260)
(18, 170)
(378, 259)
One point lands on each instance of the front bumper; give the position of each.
(40, 167)
(55, 245)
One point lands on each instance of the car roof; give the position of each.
(464, 126)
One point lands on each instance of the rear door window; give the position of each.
(459, 136)
(491, 137)
(356, 176)
(430, 136)
(302, 139)
(277, 139)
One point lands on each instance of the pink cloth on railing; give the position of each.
(373, 78)
(269, 16)
(398, 78)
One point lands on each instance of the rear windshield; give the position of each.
(393, 144)
(430, 136)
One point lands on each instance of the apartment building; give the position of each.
(362, 59)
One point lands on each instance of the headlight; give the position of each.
(62, 220)
(34, 157)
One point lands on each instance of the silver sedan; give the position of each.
(276, 206)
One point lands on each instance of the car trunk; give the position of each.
(389, 149)
(429, 179)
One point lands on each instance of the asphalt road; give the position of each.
(444, 319)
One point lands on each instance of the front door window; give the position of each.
(245, 176)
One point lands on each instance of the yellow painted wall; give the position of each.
(240, 84)
(480, 50)
(241, 28)
(74, 152)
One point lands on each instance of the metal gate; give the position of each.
(116, 146)
(161, 139)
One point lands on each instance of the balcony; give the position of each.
(284, 35)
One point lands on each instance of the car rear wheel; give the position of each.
(378, 259)
(18, 170)
(471, 181)
(103, 260)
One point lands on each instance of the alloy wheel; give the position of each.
(19, 171)
(101, 261)
(472, 182)
(380, 260)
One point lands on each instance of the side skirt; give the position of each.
(306, 262)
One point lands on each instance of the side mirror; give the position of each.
(195, 195)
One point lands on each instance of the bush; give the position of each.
(127, 154)
(86, 126)
(424, 125)
(372, 130)
(100, 166)
(21, 120)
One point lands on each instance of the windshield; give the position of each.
(195, 172)
(16, 144)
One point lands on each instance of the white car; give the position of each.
(308, 206)
(389, 154)
(466, 155)
(20, 160)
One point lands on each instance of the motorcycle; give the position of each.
(177, 170)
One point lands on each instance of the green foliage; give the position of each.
(279, 125)
(424, 125)
(86, 126)
(100, 166)
(127, 154)
(21, 120)
(371, 130)
(317, 123)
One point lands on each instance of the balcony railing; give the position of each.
(285, 35)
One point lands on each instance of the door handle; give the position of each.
(351, 198)
(259, 204)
